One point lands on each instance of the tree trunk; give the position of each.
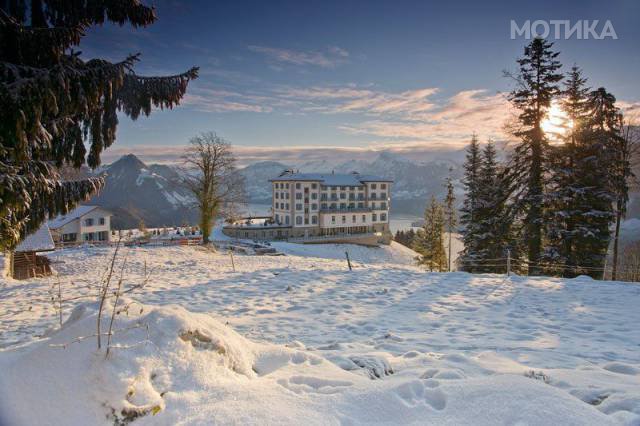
(616, 240)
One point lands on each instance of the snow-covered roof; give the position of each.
(332, 179)
(74, 214)
(38, 241)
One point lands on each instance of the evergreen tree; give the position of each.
(537, 85)
(429, 241)
(450, 214)
(468, 212)
(623, 174)
(596, 176)
(52, 102)
(564, 190)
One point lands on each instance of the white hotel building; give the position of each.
(333, 206)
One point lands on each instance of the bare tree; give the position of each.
(213, 179)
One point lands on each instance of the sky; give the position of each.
(283, 80)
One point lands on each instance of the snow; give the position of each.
(300, 338)
(332, 179)
(74, 214)
(38, 241)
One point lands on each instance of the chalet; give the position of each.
(82, 224)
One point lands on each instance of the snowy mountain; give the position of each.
(134, 191)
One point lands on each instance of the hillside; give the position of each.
(301, 334)
(134, 191)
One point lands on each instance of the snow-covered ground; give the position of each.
(301, 339)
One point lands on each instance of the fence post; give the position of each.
(348, 260)
(233, 265)
(508, 262)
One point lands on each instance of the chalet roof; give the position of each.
(38, 241)
(331, 179)
(74, 214)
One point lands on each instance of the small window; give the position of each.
(343, 205)
(298, 185)
(286, 220)
(287, 186)
(298, 195)
(314, 220)
(298, 220)
(343, 188)
(314, 207)
(298, 206)
(314, 195)
(373, 205)
(383, 206)
(353, 218)
(374, 186)
(383, 217)
(88, 222)
(383, 186)
(364, 218)
(277, 195)
(333, 219)
(343, 196)
(383, 195)
(374, 217)
(323, 206)
(314, 186)
(360, 205)
(344, 219)
(306, 220)
(101, 221)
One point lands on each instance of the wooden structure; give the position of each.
(25, 263)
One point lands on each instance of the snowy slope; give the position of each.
(307, 340)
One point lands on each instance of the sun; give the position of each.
(556, 123)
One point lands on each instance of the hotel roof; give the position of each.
(331, 179)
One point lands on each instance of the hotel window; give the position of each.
(298, 185)
(277, 218)
(287, 197)
(364, 218)
(352, 196)
(360, 205)
(383, 206)
(298, 220)
(344, 219)
(383, 217)
(314, 220)
(314, 186)
(314, 207)
(374, 217)
(101, 221)
(298, 195)
(373, 205)
(383, 195)
(314, 195)
(343, 205)
(286, 220)
(306, 220)
(360, 196)
(383, 186)
(287, 186)
(277, 195)
(343, 188)
(373, 186)
(323, 197)
(333, 219)
(352, 205)
(333, 205)
(323, 206)
(298, 206)
(353, 218)
(88, 222)
(343, 196)
(374, 196)
(286, 206)
(323, 187)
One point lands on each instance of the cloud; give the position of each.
(220, 100)
(332, 57)
(631, 111)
